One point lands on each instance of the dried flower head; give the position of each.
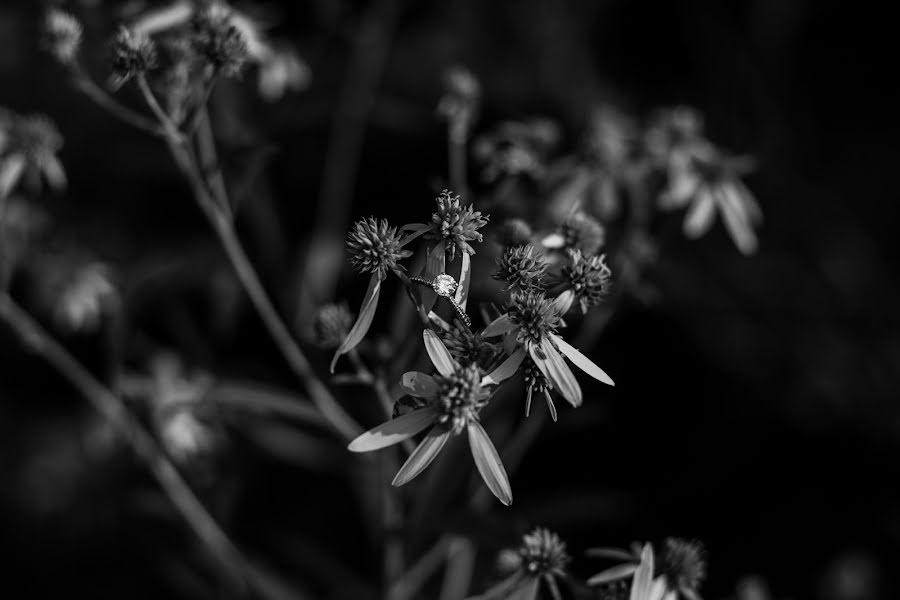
(455, 225)
(521, 268)
(683, 564)
(535, 316)
(515, 232)
(330, 325)
(468, 348)
(62, 35)
(374, 247)
(133, 54)
(588, 277)
(543, 553)
(460, 396)
(583, 232)
(218, 41)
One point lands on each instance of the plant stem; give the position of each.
(87, 86)
(111, 407)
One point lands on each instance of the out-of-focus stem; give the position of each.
(456, 158)
(111, 407)
(90, 89)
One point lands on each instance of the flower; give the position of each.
(673, 131)
(530, 326)
(330, 325)
(588, 277)
(459, 104)
(541, 557)
(454, 225)
(218, 40)
(29, 145)
(375, 247)
(579, 232)
(521, 268)
(62, 35)
(679, 569)
(683, 566)
(707, 181)
(454, 395)
(133, 54)
(86, 298)
(517, 148)
(467, 348)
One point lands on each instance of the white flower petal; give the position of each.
(394, 431)
(438, 353)
(581, 361)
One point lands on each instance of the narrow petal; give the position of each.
(581, 361)
(488, 462)
(417, 229)
(363, 321)
(550, 404)
(526, 590)
(643, 576)
(700, 215)
(53, 172)
(10, 172)
(682, 187)
(528, 401)
(554, 241)
(465, 280)
(753, 209)
(613, 553)
(555, 369)
(434, 266)
(503, 589)
(738, 225)
(506, 369)
(419, 385)
(438, 353)
(422, 456)
(613, 574)
(498, 326)
(394, 431)
(564, 301)
(439, 321)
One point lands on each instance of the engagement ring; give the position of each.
(445, 286)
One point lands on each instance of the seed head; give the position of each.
(218, 41)
(374, 247)
(62, 35)
(683, 563)
(461, 396)
(455, 225)
(521, 268)
(543, 553)
(133, 54)
(535, 315)
(330, 325)
(588, 277)
(583, 232)
(468, 348)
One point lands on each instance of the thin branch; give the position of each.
(90, 89)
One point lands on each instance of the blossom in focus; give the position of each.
(521, 268)
(452, 225)
(587, 278)
(454, 397)
(28, 150)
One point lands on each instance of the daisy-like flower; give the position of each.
(579, 232)
(675, 572)
(28, 149)
(707, 182)
(375, 247)
(521, 268)
(454, 396)
(133, 54)
(62, 35)
(541, 558)
(587, 278)
(530, 326)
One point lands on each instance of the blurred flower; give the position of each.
(452, 225)
(521, 268)
(86, 298)
(218, 40)
(610, 145)
(375, 247)
(541, 557)
(707, 181)
(514, 232)
(62, 35)
(671, 132)
(133, 54)
(579, 232)
(679, 570)
(455, 395)
(21, 223)
(281, 70)
(28, 146)
(517, 148)
(588, 277)
(459, 104)
(330, 325)
(682, 564)
(530, 325)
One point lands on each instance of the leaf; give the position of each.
(394, 431)
(613, 573)
(613, 553)
(503, 589)
(498, 326)
(700, 215)
(419, 385)
(438, 353)
(488, 462)
(643, 575)
(506, 369)
(552, 366)
(465, 280)
(363, 321)
(10, 172)
(581, 361)
(422, 456)
(526, 590)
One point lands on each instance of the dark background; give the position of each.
(756, 403)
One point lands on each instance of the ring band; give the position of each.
(445, 286)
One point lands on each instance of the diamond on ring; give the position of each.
(444, 285)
